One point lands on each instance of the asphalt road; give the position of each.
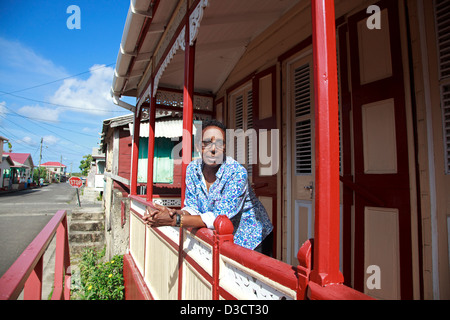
(23, 214)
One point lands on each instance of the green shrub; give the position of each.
(101, 280)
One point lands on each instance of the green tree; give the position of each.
(39, 172)
(85, 164)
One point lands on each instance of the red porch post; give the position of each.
(326, 242)
(188, 119)
(135, 153)
(188, 109)
(151, 146)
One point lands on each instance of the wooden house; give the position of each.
(21, 171)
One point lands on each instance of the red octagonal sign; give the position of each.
(75, 182)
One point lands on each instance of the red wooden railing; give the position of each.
(26, 272)
(220, 258)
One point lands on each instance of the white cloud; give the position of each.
(23, 62)
(89, 130)
(40, 113)
(51, 140)
(88, 96)
(28, 141)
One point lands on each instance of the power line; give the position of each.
(44, 122)
(55, 104)
(47, 130)
(57, 80)
(47, 120)
(18, 125)
(13, 138)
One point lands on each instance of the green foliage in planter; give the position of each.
(101, 280)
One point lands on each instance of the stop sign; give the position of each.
(75, 182)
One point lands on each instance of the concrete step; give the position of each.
(88, 215)
(76, 249)
(86, 227)
(86, 236)
(82, 225)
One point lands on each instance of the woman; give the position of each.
(218, 185)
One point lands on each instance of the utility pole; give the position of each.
(60, 169)
(40, 154)
(39, 167)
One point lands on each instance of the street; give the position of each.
(23, 214)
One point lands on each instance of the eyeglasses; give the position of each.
(208, 144)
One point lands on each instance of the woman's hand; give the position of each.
(159, 216)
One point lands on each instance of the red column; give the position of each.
(151, 147)
(188, 119)
(188, 110)
(135, 153)
(326, 241)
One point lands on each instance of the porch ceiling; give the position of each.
(225, 31)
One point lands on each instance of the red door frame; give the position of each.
(135, 152)
(266, 186)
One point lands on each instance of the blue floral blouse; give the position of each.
(230, 195)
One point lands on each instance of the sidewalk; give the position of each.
(7, 191)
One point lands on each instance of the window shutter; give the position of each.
(250, 137)
(442, 20)
(442, 16)
(445, 97)
(303, 154)
(302, 91)
(303, 136)
(239, 112)
(239, 123)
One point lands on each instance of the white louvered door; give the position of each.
(302, 154)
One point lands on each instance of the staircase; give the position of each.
(86, 225)
(86, 230)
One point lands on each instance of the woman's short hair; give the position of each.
(213, 123)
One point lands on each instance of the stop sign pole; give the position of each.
(76, 182)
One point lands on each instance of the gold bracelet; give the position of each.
(181, 221)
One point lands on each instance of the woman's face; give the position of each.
(213, 146)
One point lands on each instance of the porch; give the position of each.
(320, 163)
(166, 263)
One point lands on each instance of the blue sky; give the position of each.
(54, 81)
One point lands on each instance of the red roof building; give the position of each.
(21, 158)
(54, 169)
(22, 168)
(53, 164)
